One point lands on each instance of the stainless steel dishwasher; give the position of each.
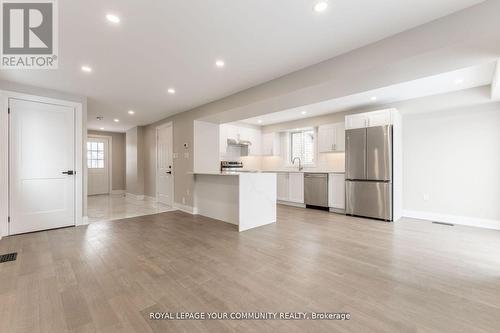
(316, 189)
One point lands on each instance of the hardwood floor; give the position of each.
(404, 277)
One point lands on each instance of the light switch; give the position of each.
(186, 155)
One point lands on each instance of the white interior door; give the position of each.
(164, 167)
(42, 164)
(98, 165)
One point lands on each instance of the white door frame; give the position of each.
(80, 140)
(169, 124)
(110, 158)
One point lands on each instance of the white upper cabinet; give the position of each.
(270, 144)
(370, 119)
(331, 138)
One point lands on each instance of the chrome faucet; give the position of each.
(300, 163)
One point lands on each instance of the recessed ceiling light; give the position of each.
(131, 111)
(116, 120)
(321, 6)
(259, 121)
(304, 112)
(171, 91)
(87, 69)
(113, 18)
(459, 81)
(102, 128)
(220, 63)
(373, 98)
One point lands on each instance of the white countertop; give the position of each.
(237, 173)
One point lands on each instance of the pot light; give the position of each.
(86, 69)
(171, 91)
(373, 98)
(320, 6)
(459, 81)
(113, 18)
(131, 111)
(220, 63)
(259, 121)
(304, 112)
(116, 120)
(102, 128)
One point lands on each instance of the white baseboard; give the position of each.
(117, 192)
(454, 219)
(149, 198)
(186, 208)
(293, 204)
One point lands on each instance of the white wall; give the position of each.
(206, 147)
(452, 165)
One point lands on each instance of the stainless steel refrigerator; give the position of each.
(369, 155)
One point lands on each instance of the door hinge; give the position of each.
(8, 110)
(8, 219)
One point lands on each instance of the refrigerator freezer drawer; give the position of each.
(369, 199)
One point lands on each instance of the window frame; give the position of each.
(314, 147)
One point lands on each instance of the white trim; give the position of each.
(169, 124)
(462, 220)
(85, 220)
(80, 139)
(186, 208)
(110, 158)
(289, 203)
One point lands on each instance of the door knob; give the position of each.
(69, 172)
(169, 172)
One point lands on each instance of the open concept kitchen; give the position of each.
(352, 167)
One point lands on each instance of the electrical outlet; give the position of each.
(183, 200)
(187, 192)
(186, 155)
(174, 155)
(426, 196)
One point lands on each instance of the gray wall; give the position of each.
(118, 158)
(135, 161)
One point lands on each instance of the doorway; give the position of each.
(42, 166)
(99, 164)
(164, 164)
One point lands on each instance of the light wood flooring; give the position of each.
(410, 276)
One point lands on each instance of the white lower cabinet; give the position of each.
(336, 191)
(296, 187)
(283, 187)
(291, 187)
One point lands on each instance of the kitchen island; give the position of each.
(246, 199)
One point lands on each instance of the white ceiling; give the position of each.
(439, 84)
(169, 43)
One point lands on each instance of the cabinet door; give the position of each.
(339, 144)
(223, 135)
(379, 118)
(296, 187)
(336, 190)
(326, 138)
(254, 136)
(354, 121)
(283, 187)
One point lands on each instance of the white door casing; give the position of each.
(99, 164)
(164, 165)
(42, 147)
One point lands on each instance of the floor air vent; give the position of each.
(443, 223)
(8, 257)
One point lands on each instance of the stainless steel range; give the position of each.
(231, 166)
